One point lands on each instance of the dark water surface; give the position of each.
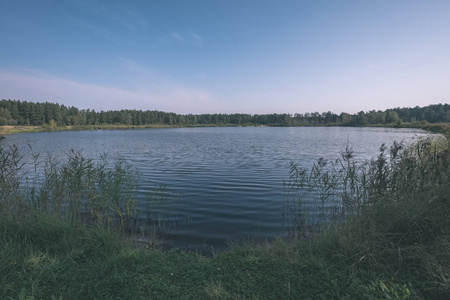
(229, 180)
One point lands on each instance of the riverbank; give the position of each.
(6, 130)
(443, 128)
(392, 244)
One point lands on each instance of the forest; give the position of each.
(16, 112)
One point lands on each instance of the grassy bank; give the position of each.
(384, 234)
(45, 257)
(443, 128)
(387, 219)
(6, 130)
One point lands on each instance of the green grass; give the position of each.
(388, 239)
(46, 258)
(6, 130)
(387, 219)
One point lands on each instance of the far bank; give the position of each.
(443, 128)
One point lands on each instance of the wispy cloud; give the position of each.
(41, 87)
(177, 37)
(93, 28)
(119, 14)
(197, 38)
(132, 65)
(106, 21)
(189, 37)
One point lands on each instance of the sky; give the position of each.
(226, 56)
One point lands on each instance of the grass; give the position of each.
(386, 219)
(100, 193)
(6, 130)
(382, 233)
(46, 258)
(437, 128)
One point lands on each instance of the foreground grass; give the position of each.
(392, 244)
(45, 258)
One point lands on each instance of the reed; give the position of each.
(388, 217)
(96, 192)
(347, 187)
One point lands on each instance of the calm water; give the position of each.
(229, 180)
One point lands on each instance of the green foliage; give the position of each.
(13, 112)
(388, 290)
(388, 218)
(47, 257)
(100, 193)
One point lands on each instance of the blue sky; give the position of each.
(226, 56)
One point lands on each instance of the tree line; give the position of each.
(16, 112)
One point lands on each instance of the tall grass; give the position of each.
(98, 193)
(388, 217)
(346, 187)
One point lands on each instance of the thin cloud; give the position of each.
(93, 29)
(131, 64)
(177, 37)
(197, 38)
(42, 87)
(189, 37)
(120, 15)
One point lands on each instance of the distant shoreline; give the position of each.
(442, 128)
(8, 129)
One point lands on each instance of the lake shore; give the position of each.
(250, 164)
(393, 247)
(7, 130)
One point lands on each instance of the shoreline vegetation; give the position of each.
(442, 128)
(384, 232)
(22, 116)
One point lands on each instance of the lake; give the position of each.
(229, 179)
